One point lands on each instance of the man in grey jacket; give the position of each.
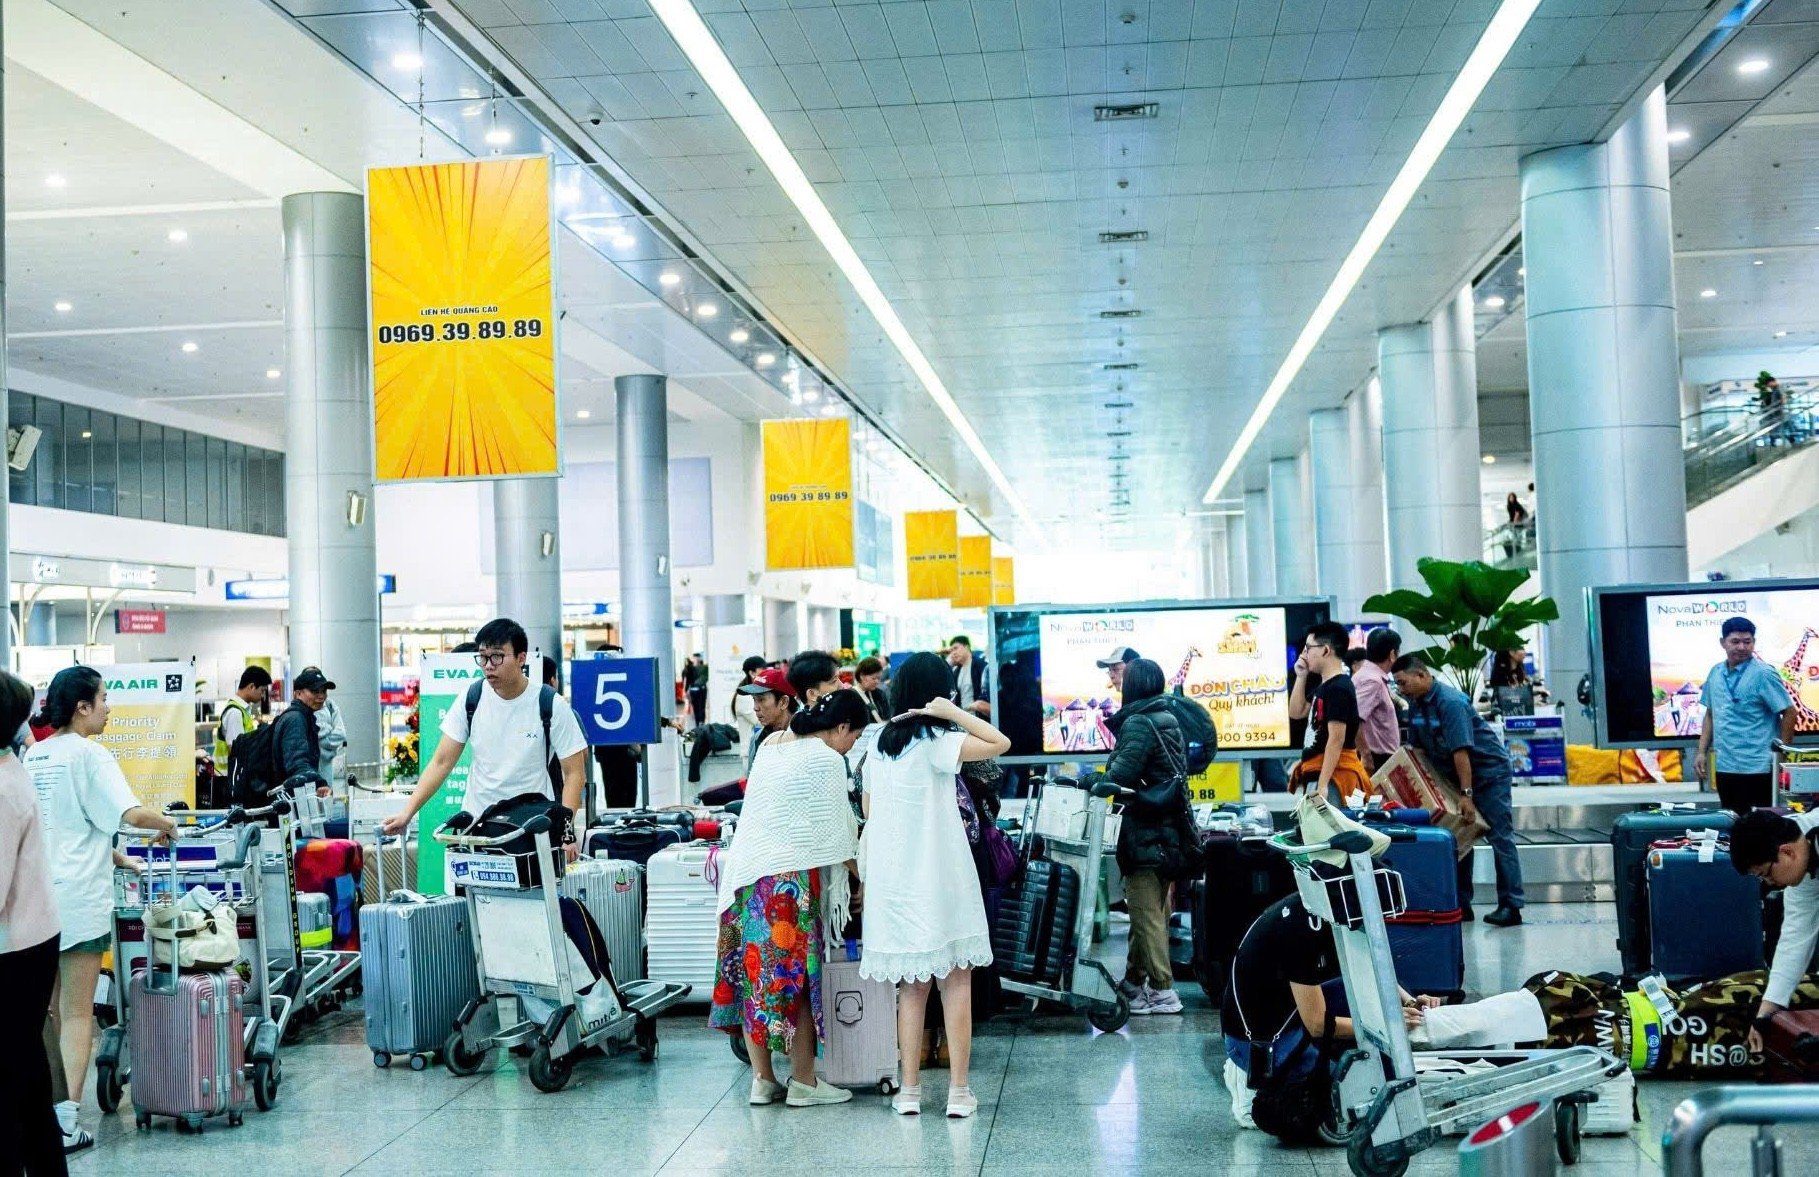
(1779, 850)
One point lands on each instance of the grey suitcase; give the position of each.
(612, 890)
(860, 1019)
(418, 971)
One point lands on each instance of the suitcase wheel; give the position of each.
(419, 1062)
(381, 1059)
(142, 1121)
(887, 1087)
(234, 1120)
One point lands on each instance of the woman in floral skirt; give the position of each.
(785, 886)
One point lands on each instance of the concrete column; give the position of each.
(1364, 438)
(1237, 558)
(1259, 545)
(644, 569)
(1292, 526)
(526, 540)
(6, 578)
(1429, 373)
(1603, 370)
(328, 461)
(1216, 537)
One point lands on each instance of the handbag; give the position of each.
(1297, 1109)
(1320, 822)
(1168, 799)
(994, 858)
(204, 941)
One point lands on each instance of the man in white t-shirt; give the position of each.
(513, 752)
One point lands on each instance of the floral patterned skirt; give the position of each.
(770, 953)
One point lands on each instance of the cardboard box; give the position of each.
(1408, 779)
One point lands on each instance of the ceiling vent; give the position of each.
(1123, 236)
(1117, 112)
(1121, 367)
(1119, 404)
(1121, 313)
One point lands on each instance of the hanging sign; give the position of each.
(151, 729)
(975, 572)
(808, 494)
(931, 544)
(463, 306)
(139, 621)
(1004, 580)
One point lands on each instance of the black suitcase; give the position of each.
(1631, 836)
(637, 835)
(1243, 877)
(1033, 936)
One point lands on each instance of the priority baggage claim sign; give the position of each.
(462, 297)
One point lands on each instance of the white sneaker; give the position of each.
(1161, 1001)
(764, 1092)
(1140, 1004)
(907, 1101)
(1129, 990)
(961, 1103)
(801, 1096)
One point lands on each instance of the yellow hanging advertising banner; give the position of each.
(808, 494)
(462, 294)
(975, 572)
(1004, 580)
(931, 547)
(151, 729)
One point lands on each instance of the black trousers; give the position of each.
(26, 1114)
(1741, 792)
(697, 701)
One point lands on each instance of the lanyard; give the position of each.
(1732, 679)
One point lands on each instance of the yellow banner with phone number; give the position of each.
(931, 545)
(975, 572)
(463, 328)
(808, 494)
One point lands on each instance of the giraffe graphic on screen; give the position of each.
(1193, 652)
(1794, 676)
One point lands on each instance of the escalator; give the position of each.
(1754, 471)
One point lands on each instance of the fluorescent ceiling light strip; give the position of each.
(1499, 37)
(704, 53)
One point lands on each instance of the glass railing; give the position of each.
(1749, 440)
(1512, 545)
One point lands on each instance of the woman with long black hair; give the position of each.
(924, 916)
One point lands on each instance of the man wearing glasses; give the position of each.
(525, 738)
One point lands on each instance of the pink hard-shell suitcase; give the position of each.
(188, 1046)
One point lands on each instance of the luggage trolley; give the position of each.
(1796, 776)
(312, 977)
(1386, 1111)
(218, 853)
(1086, 984)
(523, 954)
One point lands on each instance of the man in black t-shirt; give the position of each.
(1331, 757)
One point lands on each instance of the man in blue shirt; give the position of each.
(1746, 708)
(1443, 724)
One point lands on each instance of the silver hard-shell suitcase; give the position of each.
(682, 919)
(418, 971)
(860, 1020)
(612, 890)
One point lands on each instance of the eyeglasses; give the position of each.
(489, 660)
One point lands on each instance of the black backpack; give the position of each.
(546, 706)
(252, 765)
(1198, 735)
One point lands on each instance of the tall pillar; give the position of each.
(328, 460)
(644, 569)
(1329, 457)
(1603, 372)
(1364, 438)
(1292, 527)
(1216, 538)
(6, 576)
(1237, 558)
(1429, 373)
(1259, 544)
(526, 540)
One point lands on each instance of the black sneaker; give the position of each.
(1504, 917)
(1465, 914)
(75, 1142)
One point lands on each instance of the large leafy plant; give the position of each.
(1467, 613)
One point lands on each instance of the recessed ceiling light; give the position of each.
(55, 180)
(829, 409)
(623, 240)
(1490, 459)
(1679, 135)
(1757, 262)
(1494, 302)
(499, 136)
(669, 278)
(177, 236)
(707, 310)
(1499, 37)
(810, 395)
(766, 359)
(1521, 271)
(1708, 292)
(582, 414)
(407, 61)
(86, 434)
(272, 373)
(189, 345)
(739, 335)
(1754, 65)
(1780, 335)
(63, 308)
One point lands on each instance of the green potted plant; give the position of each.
(1468, 615)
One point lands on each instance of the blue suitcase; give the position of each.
(1631, 835)
(1430, 958)
(1427, 860)
(1705, 919)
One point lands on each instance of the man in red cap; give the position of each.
(773, 701)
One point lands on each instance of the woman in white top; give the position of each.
(924, 916)
(785, 893)
(82, 799)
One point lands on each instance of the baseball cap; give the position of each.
(1120, 656)
(311, 678)
(770, 680)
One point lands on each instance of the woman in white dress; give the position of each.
(924, 917)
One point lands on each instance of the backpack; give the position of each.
(546, 706)
(252, 765)
(1198, 735)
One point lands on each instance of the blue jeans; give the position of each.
(1239, 1051)
(1492, 797)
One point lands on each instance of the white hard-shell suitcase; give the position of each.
(859, 1018)
(612, 890)
(682, 922)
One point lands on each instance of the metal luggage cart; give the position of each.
(316, 979)
(218, 853)
(1796, 776)
(523, 957)
(1697, 1116)
(1087, 985)
(1385, 1110)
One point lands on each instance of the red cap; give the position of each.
(768, 681)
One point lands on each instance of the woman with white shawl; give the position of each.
(785, 893)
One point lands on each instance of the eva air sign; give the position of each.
(152, 682)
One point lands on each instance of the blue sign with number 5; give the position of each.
(616, 699)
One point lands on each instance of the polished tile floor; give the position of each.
(1055, 1099)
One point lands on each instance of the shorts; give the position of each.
(1741, 792)
(97, 945)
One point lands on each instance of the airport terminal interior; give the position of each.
(1440, 376)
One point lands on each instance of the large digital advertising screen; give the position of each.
(1231, 658)
(1657, 644)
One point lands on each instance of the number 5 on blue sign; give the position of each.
(616, 699)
